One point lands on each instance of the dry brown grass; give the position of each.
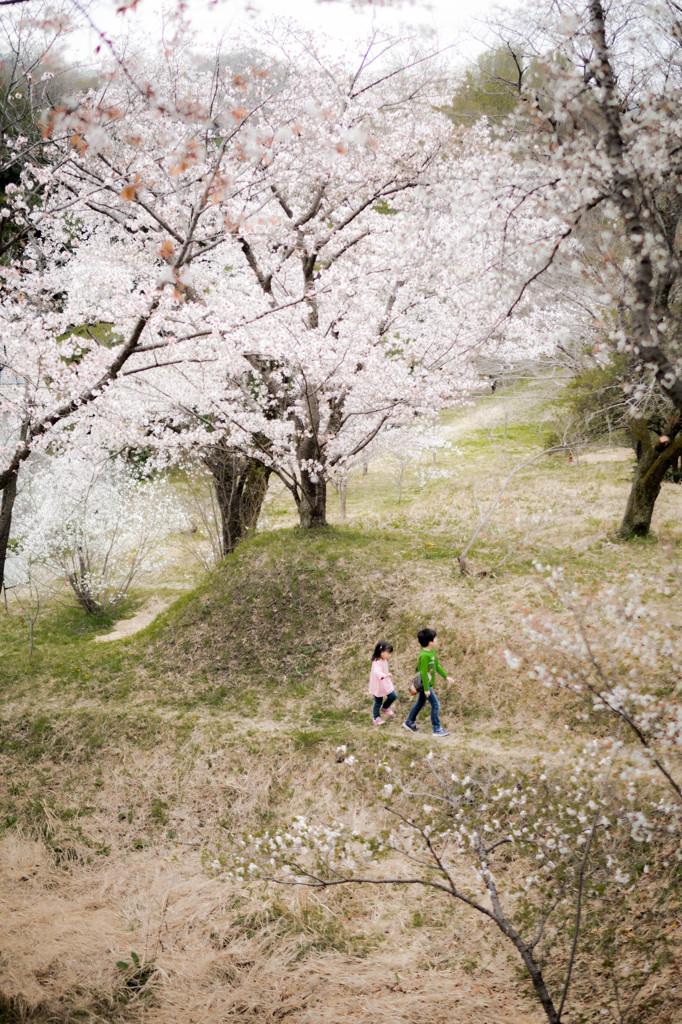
(66, 932)
(212, 952)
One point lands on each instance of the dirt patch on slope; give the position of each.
(138, 622)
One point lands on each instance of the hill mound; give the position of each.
(291, 618)
(278, 610)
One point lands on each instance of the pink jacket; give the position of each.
(380, 682)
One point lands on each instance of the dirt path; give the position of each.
(139, 621)
(491, 411)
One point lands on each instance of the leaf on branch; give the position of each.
(48, 126)
(129, 193)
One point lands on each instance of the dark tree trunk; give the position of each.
(240, 484)
(9, 494)
(311, 493)
(312, 501)
(653, 461)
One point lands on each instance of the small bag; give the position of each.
(417, 684)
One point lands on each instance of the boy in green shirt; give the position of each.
(427, 666)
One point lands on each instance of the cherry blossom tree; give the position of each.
(270, 265)
(96, 524)
(31, 79)
(371, 269)
(598, 122)
(617, 659)
(126, 206)
(316, 249)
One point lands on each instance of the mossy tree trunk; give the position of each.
(241, 484)
(9, 494)
(311, 500)
(310, 493)
(654, 459)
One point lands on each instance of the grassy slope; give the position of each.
(126, 762)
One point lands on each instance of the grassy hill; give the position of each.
(128, 766)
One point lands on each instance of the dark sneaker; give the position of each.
(440, 732)
(410, 726)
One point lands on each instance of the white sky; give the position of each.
(444, 21)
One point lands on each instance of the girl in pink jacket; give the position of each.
(381, 684)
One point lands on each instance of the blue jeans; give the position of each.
(387, 701)
(435, 708)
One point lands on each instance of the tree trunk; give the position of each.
(342, 489)
(240, 485)
(311, 493)
(312, 501)
(653, 462)
(9, 494)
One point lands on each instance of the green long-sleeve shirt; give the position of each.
(428, 665)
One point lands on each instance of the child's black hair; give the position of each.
(425, 636)
(380, 648)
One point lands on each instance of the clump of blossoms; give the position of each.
(98, 525)
(538, 852)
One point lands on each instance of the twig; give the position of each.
(529, 534)
(493, 508)
(578, 913)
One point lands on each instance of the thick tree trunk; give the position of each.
(9, 494)
(312, 501)
(240, 484)
(311, 492)
(653, 462)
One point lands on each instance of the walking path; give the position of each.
(139, 621)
